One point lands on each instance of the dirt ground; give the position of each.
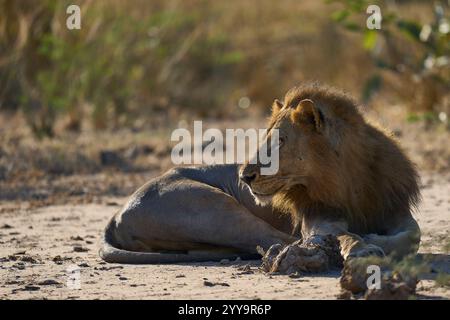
(39, 246)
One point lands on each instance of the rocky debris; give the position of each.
(246, 269)
(269, 257)
(213, 284)
(344, 295)
(393, 285)
(60, 260)
(104, 268)
(49, 282)
(31, 288)
(300, 256)
(20, 257)
(29, 259)
(80, 249)
(295, 275)
(321, 254)
(84, 265)
(5, 259)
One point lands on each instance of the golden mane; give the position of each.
(361, 173)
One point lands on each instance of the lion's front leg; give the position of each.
(351, 245)
(402, 239)
(324, 244)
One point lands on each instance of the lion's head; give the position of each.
(330, 157)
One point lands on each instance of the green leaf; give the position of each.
(370, 39)
(412, 117)
(410, 28)
(352, 26)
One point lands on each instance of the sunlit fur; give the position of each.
(356, 169)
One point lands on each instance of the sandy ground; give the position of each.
(39, 246)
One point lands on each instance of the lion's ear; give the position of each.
(306, 112)
(276, 106)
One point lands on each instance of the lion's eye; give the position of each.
(281, 141)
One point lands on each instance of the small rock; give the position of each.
(245, 270)
(29, 259)
(31, 288)
(213, 284)
(6, 226)
(58, 260)
(394, 285)
(80, 249)
(105, 268)
(19, 266)
(295, 275)
(344, 295)
(48, 282)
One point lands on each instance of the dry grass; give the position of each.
(195, 56)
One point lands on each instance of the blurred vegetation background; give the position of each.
(141, 62)
(86, 114)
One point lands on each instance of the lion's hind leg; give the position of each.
(186, 221)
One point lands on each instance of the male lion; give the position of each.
(337, 175)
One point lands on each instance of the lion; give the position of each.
(338, 175)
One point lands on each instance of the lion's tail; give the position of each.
(110, 253)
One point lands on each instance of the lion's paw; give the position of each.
(366, 251)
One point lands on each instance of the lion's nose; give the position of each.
(248, 178)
